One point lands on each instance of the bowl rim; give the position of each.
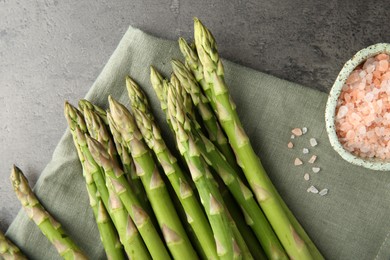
(331, 103)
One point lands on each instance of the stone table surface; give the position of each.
(51, 51)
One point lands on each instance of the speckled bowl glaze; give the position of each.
(330, 111)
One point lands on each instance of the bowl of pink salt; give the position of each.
(357, 112)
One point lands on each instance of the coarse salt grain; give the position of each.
(312, 189)
(316, 169)
(313, 142)
(305, 150)
(312, 159)
(297, 131)
(304, 130)
(323, 192)
(290, 145)
(362, 118)
(292, 136)
(298, 162)
(306, 177)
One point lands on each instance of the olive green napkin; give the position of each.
(350, 222)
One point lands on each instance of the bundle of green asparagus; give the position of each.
(210, 198)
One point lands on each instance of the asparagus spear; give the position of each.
(8, 250)
(46, 223)
(215, 133)
(240, 191)
(122, 189)
(185, 97)
(227, 172)
(170, 224)
(207, 188)
(239, 219)
(85, 104)
(194, 64)
(98, 129)
(160, 86)
(129, 166)
(243, 195)
(108, 233)
(152, 136)
(247, 158)
(97, 183)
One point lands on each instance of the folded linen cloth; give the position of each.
(350, 222)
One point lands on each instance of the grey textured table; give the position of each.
(51, 51)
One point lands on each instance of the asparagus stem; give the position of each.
(208, 191)
(239, 242)
(46, 223)
(152, 136)
(239, 219)
(215, 133)
(122, 188)
(194, 64)
(129, 167)
(244, 197)
(8, 250)
(108, 233)
(172, 229)
(217, 92)
(240, 191)
(95, 178)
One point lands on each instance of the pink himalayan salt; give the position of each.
(363, 110)
(290, 145)
(298, 162)
(297, 131)
(312, 158)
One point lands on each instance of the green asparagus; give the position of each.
(215, 133)
(46, 223)
(152, 136)
(122, 188)
(95, 178)
(129, 167)
(243, 195)
(8, 250)
(210, 197)
(224, 107)
(173, 231)
(194, 64)
(83, 104)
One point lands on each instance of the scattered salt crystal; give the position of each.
(290, 145)
(316, 169)
(306, 177)
(304, 130)
(305, 151)
(297, 131)
(313, 142)
(298, 162)
(292, 136)
(313, 159)
(323, 192)
(312, 189)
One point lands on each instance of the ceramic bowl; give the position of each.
(330, 111)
